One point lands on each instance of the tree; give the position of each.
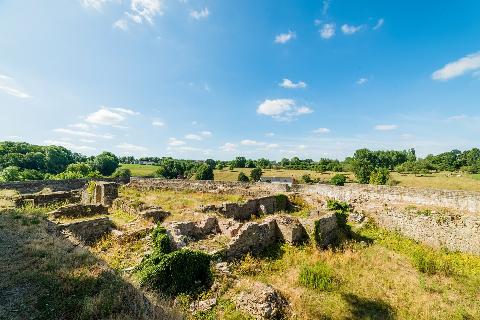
(239, 162)
(256, 174)
(306, 178)
(57, 159)
(380, 176)
(204, 172)
(106, 163)
(11, 173)
(211, 163)
(242, 177)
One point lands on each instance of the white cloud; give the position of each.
(193, 137)
(273, 146)
(289, 84)
(131, 147)
(270, 134)
(362, 81)
(69, 145)
(121, 24)
(326, 5)
(282, 109)
(302, 147)
(14, 138)
(87, 140)
(81, 126)
(197, 15)
(158, 123)
(228, 147)
(379, 24)
(469, 63)
(285, 37)
(109, 116)
(174, 142)
(93, 4)
(206, 133)
(321, 130)
(327, 31)
(247, 142)
(84, 134)
(385, 127)
(146, 10)
(349, 30)
(8, 86)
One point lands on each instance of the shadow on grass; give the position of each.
(47, 277)
(363, 308)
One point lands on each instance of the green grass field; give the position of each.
(440, 180)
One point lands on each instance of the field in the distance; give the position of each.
(440, 180)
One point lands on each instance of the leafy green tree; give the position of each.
(204, 172)
(380, 176)
(106, 163)
(211, 163)
(242, 177)
(11, 173)
(240, 162)
(306, 178)
(57, 159)
(256, 174)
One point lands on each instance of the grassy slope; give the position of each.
(46, 277)
(139, 170)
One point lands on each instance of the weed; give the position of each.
(318, 277)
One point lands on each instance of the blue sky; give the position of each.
(197, 79)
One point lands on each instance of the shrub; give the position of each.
(11, 173)
(338, 180)
(242, 177)
(380, 176)
(338, 206)
(204, 172)
(182, 271)
(306, 178)
(161, 240)
(256, 174)
(318, 277)
(123, 173)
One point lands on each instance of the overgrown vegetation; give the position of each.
(174, 272)
(318, 276)
(338, 180)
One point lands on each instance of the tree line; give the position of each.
(24, 161)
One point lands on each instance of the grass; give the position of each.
(392, 278)
(47, 277)
(177, 202)
(140, 170)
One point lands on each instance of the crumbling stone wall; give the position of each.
(364, 194)
(28, 187)
(86, 231)
(43, 199)
(439, 230)
(256, 207)
(100, 192)
(79, 210)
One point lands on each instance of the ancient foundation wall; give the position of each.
(25, 187)
(356, 193)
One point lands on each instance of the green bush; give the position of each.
(204, 172)
(338, 180)
(338, 206)
(123, 173)
(380, 176)
(306, 178)
(242, 177)
(318, 277)
(161, 240)
(256, 174)
(106, 163)
(181, 271)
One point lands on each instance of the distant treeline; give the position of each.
(23, 161)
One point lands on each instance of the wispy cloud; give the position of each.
(285, 37)
(327, 31)
(201, 14)
(158, 123)
(69, 145)
(282, 109)
(321, 130)
(362, 81)
(228, 147)
(379, 24)
(174, 142)
(385, 127)
(131, 147)
(469, 63)
(7, 85)
(289, 84)
(84, 134)
(93, 4)
(349, 30)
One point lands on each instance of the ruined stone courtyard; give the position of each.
(244, 226)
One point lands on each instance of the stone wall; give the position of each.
(26, 187)
(357, 193)
(44, 199)
(87, 231)
(438, 230)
